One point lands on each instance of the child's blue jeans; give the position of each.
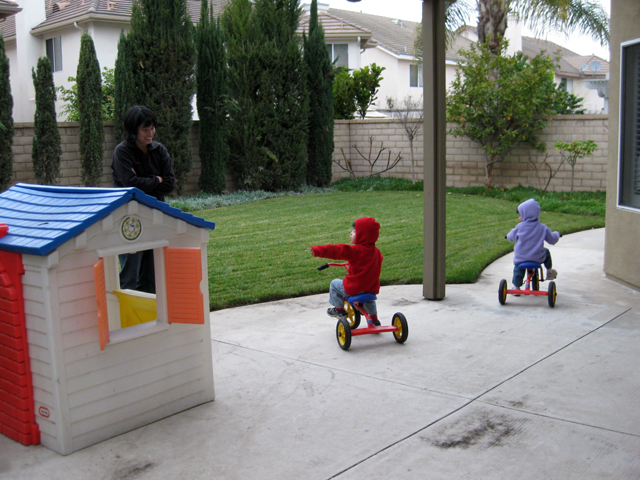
(337, 294)
(519, 273)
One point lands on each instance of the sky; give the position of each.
(412, 10)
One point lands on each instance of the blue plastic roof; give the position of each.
(42, 217)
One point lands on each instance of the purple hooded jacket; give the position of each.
(530, 234)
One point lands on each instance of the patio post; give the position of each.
(434, 132)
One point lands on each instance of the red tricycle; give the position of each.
(531, 286)
(353, 305)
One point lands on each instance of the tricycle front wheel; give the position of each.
(400, 322)
(343, 334)
(535, 281)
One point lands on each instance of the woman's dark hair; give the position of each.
(137, 116)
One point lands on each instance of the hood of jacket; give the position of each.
(529, 210)
(367, 231)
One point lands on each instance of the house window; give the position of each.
(126, 314)
(339, 53)
(566, 84)
(629, 155)
(54, 52)
(415, 75)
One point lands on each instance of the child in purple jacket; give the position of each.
(530, 236)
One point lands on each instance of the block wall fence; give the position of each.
(465, 160)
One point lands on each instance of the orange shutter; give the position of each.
(101, 299)
(183, 271)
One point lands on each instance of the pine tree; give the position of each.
(47, 151)
(211, 101)
(6, 120)
(320, 85)
(91, 135)
(164, 51)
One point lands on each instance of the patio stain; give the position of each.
(481, 429)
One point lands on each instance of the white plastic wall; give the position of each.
(95, 394)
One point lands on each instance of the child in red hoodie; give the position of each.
(363, 272)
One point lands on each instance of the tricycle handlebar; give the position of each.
(327, 265)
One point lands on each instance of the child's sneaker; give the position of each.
(515, 287)
(337, 312)
(551, 274)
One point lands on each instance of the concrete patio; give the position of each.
(479, 390)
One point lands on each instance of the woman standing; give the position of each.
(140, 162)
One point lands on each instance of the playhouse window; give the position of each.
(124, 314)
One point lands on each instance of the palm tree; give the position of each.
(584, 16)
(542, 16)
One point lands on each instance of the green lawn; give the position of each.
(258, 251)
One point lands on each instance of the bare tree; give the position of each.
(410, 113)
(369, 158)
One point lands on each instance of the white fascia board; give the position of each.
(410, 58)
(37, 31)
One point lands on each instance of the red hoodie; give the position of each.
(365, 259)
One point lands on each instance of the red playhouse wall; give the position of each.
(17, 415)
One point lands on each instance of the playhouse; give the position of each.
(82, 360)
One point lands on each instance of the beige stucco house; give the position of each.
(623, 182)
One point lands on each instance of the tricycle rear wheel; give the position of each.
(353, 315)
(551, 294)
(502, 292)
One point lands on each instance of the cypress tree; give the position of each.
(127, 83)
(91, 136)
(6, 120)
(320, 85)
(242, 80)
(282, 103)
(164, 51)
(47, 152)
(211, 99)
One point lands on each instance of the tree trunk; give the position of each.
(413, 164)
(488, 168)
(492, 22)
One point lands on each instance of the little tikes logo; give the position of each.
(44, 412)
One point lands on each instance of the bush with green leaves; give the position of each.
(355, 92)
(47, 151)
(572, 152)
(344, 98)
(367, 82)
(70, 97)
(501, 101)
(566, 103)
